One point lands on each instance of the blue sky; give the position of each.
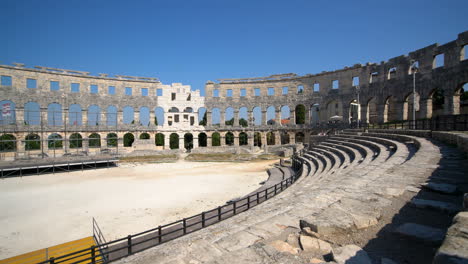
(195, 41)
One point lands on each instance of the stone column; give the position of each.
(181, 142)
(292, 138)
(426, 108)
(85, 144)
(307, 137)
(381, 112)
(264, 138)
(19, 115)
(44, 116)
(264, 118)
(292, 120)
(307, 116)
(222, 119)
(84, 117)
(208, 118)
(222, 139)
(120, 142)
(102, 119)
(278, 117)
(363, 116)
(152, 116)
(209, 141)
(20, 144)
(119, 118)
(103, 139)
(167, 140)
(399, 110)
(136, 118)
(236, 118)
(195, 142)
(64, 116)
(449, 105)
(236, 140)
(277, 138)
(250, 138)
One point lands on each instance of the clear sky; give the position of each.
(195, 41)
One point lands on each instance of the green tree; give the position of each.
(300, 114)
(230, 122)
(156, 121)
(55, 141)
(7, 142)
(111, 140)
(76, 141)
(229, 139)
(215, 140)
(32, 142)
(243, 122)
(94, 140)
(174, 141)
(203, 121)
(159, 140)
(128, 139)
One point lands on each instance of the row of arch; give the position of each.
(32, 141)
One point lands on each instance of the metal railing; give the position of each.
(113, 250)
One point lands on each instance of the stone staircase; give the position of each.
(363, 198)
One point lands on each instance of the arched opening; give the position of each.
(390, 109)
(258, 139)
(159, 116)
(229, 116)
(111, 116)
(299, 137)
(32, 142)
(314, 115)
(94, 140)
(300, 114)
(215, 116)
(144, 116)
(188, 141)
(8, 116)
(285, 115)
(54, 114)
(55, 141)
(270, 114)
(372, 114)
(438, 100)
(257, 115)
(408, 106)
(94, 115)
(202, 140)
(243, 139)
(128, 139)
(215, 139)
(333, 110)
(76, 141)
(174, 141)
(270, 137)
(229, 137)
(32, 114)
(128, 115)
(159, 140)
(144, 136)
(75, 116)
(188, 110)
(202, 119)
(111, 140)
(7, 143)
(243, 117)
(174, 110)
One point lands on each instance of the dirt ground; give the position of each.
(42, 211)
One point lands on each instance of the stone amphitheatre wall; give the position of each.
(371, 93)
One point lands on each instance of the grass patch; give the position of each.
(150, 159)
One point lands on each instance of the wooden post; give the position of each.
(129, 244)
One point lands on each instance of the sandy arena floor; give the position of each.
(42, 211)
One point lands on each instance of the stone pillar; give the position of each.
(382, 113)
(236, 118)
(222, 119)
(399, 110)
(278, 117)
(250, 138)
(84, 117)
(119, 118)
(264, 118)
(103, 139)
(264, 138)
(19, 115)
(85, 144)
(44, 116)
(208, 118)
(181, 141)
(292, 120)
(449, 107)
(456, 104)
(277, 138)
(20, 144)
(236, 140)
(307, 116)
(152, 116)
(292, 138)
(222, 139)
(209, 141)
(195, 142)
(363, 114)
(120, 142)
(64, 116)
(307, 137)
(136, 118)
(167, 141)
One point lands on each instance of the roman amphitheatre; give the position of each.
(365, 164)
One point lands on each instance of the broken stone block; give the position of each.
(313, 244)
(351, 254)
(282, 246)
(437, 205)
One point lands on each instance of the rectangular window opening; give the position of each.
(189, 97)
(285, 90)
(256, 91)
(271, 91)
(111, 90)
(355, 81)
(438, 61)
(316, 87)
(300, 89)
(54, 86)
(159, 92)
(463, 54)
(335, 84)
(243, 92)
(93, 89)
(75, 87)
(31, 83)
(373, 77)
(173, 96)
(215, 93)
(128, 90)
(6, 80)
(144, 91)
(229, 93)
